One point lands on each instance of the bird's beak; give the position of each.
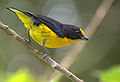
(84, 38)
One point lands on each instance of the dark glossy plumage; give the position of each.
(71, 31)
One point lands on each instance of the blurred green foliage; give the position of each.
(56, 79)
(111, 75)
(21, 75)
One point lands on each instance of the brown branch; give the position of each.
(38, 53)
(93, 25)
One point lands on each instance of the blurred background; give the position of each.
(101, 53)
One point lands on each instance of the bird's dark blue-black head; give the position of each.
(73, 32)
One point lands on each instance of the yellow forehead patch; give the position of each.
(82, 32)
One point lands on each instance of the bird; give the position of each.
(47, 31)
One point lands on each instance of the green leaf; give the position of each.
(21, 75)
(111, 75)
(56, 79)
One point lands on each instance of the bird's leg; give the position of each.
(29, 41)
(47, 53)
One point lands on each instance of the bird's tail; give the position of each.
(25, 17)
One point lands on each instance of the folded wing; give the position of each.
(54, 25)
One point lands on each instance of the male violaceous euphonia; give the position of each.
(49, 32)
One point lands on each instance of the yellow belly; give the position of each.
(42, 32)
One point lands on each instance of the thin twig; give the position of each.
(38, 53)
(93, 25)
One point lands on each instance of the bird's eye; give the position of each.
(77, 31)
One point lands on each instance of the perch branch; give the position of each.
(38, 53)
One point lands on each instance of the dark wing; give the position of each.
(54, 25)
(71, 31)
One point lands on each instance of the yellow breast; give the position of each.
(42, 32)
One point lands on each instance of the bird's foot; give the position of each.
(45, 55)
(27, 42)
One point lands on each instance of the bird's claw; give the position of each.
(27, 42)
(45, 55)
